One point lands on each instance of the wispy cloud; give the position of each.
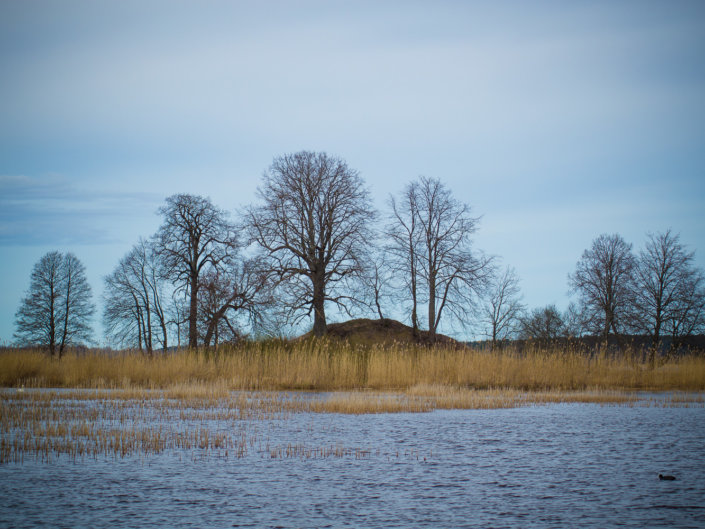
(50, 210)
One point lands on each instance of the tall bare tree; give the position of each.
(503, 307)
(437, 230)
(403, 232)
(134, 309)
(604, 281)
(57, 309)
(312, 225)
(195, 235)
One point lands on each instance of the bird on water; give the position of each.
(667, 478)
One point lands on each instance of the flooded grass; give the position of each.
(203, 422)
(220, 404)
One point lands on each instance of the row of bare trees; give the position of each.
(658, 292)
(313, 242)
(309, 244)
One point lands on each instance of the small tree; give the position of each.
(503, 308)
(604, 281)
(312, 226)
(57, 309)
(543, 324)
(574, 321)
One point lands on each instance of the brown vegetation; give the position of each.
(334, 365)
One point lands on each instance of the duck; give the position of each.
(666, 478)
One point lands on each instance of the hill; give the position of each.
(369, 332)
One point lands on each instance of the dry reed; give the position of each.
(332, 366)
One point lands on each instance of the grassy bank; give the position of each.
(336, 366)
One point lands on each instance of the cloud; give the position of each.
(36, 211)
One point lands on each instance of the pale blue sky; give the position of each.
(555, 121)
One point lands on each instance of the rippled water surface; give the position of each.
(567, 465)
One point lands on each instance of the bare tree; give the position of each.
(575, 323)
(665, 278)
(543, 324)
(436, 230)
(123, 315)
(313, 228)
(503, 307)
(179, 312)
(688, 316)
(195, 235)
(403, 232)
(134, 300)
(378, 281)
(227, 295)
(604, 279)
(57, 309)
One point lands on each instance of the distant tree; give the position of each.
(195, 235)
(667, 285)
(134, 307)
(604, 282)
(502, 309)
(543, 324)
(575, 324)
(436, 232)
(57, 308)
(312, 226)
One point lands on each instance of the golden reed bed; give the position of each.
(333, 366)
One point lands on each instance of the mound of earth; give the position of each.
(364, 331)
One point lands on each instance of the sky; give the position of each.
(555, 121)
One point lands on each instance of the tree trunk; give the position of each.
(414, 313)
(148, 327)
(164, 334)
(494, 335)
(193, 313)
(319, 313)
(657, 327)
(66, 315)
(139, 330)
(432, 307)
(52, 322)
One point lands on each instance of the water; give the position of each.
(567, 465)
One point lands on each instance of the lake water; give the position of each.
(564, 465)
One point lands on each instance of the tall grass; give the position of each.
(323, 365)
